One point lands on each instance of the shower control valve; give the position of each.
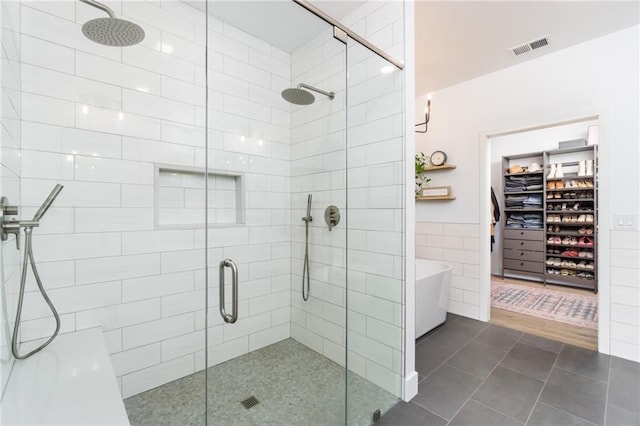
(12, 226)
(332, 216)
(9, 226)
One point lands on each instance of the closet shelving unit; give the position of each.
(571, 220)
(523, 248)
(564, 250)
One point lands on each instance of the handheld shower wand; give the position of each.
(28, 226)
(305, 268)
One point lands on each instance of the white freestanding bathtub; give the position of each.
(432, 294)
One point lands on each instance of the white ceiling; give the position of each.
(281, 23)
(457, 41)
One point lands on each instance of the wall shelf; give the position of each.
(448, 197)
(436, 168)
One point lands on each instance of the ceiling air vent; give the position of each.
(529, 46)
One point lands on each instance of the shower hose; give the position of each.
(28, 255)
(305, 268)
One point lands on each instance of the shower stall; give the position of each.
(189, 149)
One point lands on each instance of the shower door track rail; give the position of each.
(332, 21)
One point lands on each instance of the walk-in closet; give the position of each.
(544, 273)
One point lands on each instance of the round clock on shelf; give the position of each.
(438, 158)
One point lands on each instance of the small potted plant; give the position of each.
(421, 168)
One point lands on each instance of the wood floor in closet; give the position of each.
(570, 334)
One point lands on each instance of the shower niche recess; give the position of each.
(179, 197)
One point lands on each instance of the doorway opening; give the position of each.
(542, 268)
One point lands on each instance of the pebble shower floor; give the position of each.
(293, 384)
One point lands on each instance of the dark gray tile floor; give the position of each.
(474, 373)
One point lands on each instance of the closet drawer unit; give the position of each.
(523, 234)
(532, 256)
(524, 265)
(524, 245)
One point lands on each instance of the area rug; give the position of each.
(575, 309)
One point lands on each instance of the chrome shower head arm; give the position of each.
(330, 95)
(100, 6)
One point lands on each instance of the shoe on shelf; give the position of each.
(582, 265)
(559, 184)
(582, 167)
(582, 184)
(588, 241)
(589, 255)
(589, 230)
(590, 266)
(557, 195)
(551, 184)
(589, 168)
(564, 272)
(589, 183)
(576, 206)
(559, 172)
(582, 230)
(589, 218)
(552, 172)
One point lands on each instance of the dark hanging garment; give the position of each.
(495, 216)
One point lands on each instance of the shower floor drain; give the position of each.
(250, 402)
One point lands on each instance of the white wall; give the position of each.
(97, 119)
(598, 77)
(10, 139)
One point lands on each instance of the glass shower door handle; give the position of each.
(229, 318)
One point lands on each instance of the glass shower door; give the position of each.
(282, 360)
(375, 239)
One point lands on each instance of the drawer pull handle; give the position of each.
(521, 254)
(521, 243)
(521, 263)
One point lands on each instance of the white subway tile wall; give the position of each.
(456, 244)
(97, 119)
(11, 46)
(625, 294)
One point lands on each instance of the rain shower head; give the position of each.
(111, 31)
(298, 96)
